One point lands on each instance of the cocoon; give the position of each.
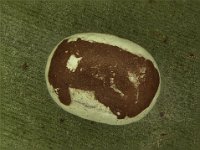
(103, 78)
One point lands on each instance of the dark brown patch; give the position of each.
(25, 66)
(163, 134)
(62, 120)
(99, 63)
(165, 39)
(162, 114)
(191, 55)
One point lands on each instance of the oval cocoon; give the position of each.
(103, 78)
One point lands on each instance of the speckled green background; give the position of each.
(29, 30)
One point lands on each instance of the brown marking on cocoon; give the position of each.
(99, 64)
